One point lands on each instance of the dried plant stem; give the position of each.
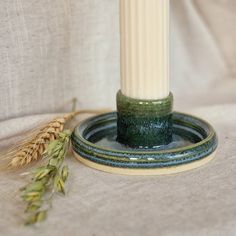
(47, 180)
(32, 148)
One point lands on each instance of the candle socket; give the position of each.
(144, 123)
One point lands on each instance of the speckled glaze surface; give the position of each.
(95, 140)
(144, 123)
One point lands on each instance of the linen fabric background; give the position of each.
(53, 51)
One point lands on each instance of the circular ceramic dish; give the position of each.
(95, 144)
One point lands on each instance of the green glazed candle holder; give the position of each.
(144, 123)
(95, 144)
(144, 138)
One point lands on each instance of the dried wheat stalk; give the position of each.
(34, 146)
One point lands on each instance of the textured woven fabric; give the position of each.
(53, 51)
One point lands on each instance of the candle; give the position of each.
(144, 29)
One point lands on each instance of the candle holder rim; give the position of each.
(137, 100)
(209, 136)
(188, 154)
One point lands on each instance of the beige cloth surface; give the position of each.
(199, 202)
(52, 51)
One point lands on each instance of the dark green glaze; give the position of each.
(144, 123)
(199, 137)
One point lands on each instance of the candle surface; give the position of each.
(144, 29)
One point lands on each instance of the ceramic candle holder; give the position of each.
(144, 123)
(144, 138)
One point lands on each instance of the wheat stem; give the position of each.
(32, 148)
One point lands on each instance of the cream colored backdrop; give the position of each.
(53, 51)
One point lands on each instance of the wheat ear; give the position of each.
(32, 148)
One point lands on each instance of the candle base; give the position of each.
(144, 123)
(194, 143)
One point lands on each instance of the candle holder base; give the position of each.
(95, 144)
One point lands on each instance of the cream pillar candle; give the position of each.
(144, 28)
